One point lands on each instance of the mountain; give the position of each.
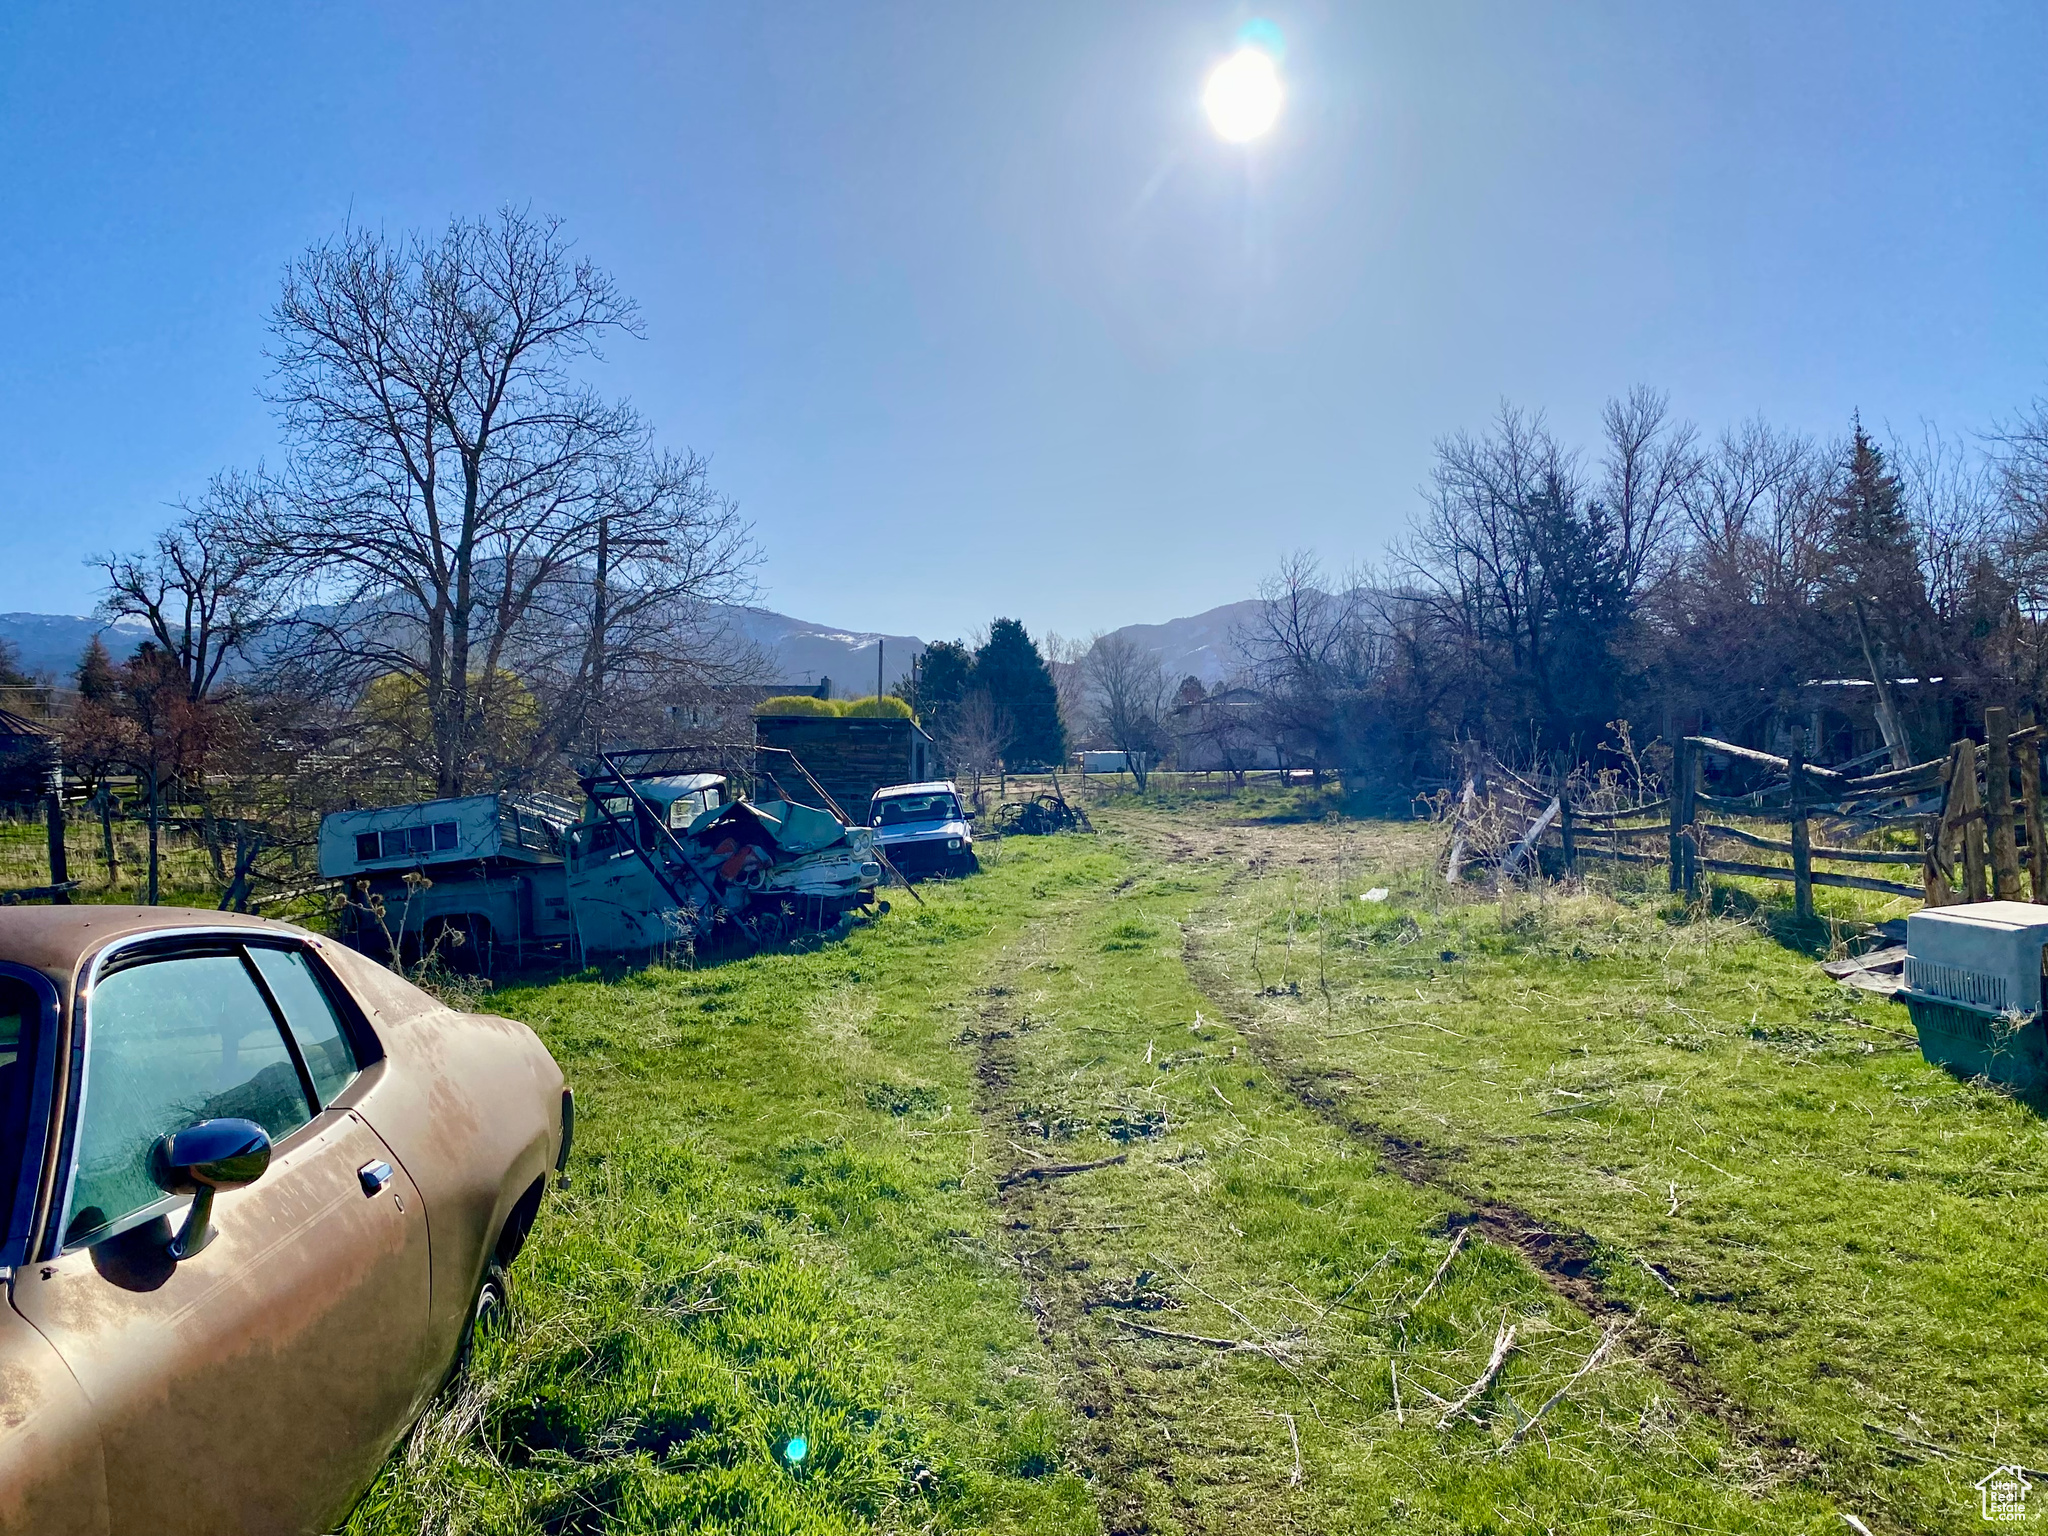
(796, 650)
(1204, 644)
(803, 652)
(51, 643)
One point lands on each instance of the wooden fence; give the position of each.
(1975, 814)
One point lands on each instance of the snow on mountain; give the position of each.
(1203, 644)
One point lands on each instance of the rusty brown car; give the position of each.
(256, 1193)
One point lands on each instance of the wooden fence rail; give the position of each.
(1978, 809)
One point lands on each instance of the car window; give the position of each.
(904, 808)
(19, 1009)
(310, 1015)
(170, 1043)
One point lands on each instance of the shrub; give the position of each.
(796, 704)
(877, 707)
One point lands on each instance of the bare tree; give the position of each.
(204, 586)
(976, 734)
(1129, 692)
(1064, 656)
(458, 507)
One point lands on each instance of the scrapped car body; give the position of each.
(922, 829)
(655, 860)
(254, 1188)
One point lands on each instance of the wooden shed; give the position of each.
(851, 756)
(27, 749)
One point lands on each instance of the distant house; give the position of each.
(725, 713)
(1221, 732)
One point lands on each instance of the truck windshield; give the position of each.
(902, 808)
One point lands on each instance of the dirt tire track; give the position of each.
(1568, 1261)
(1095, 1385)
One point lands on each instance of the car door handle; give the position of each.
(373, 1177)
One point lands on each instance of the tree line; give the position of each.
(1546, 590)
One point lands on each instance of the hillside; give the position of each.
(1204, 644)
(797, 649)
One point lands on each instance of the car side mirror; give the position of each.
(214, 1154)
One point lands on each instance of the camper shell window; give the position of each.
(406, 842)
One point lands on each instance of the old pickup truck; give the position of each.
(652, 862)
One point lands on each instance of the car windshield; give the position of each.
(901, 808)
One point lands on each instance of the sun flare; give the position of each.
(1243, 95)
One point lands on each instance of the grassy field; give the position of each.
(185, 873)
(1155, 1182)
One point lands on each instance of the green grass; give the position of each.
(776, 1228)
(814, 1195)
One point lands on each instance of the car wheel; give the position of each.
(486, 1315)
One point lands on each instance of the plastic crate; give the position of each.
(1973, 1042)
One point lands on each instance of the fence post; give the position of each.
(1681, 808)
(60, 862)
(2027, 756)
(1562, 766)
(1802, 851)
(1970, 821)
(1687, 788)
(2005, 859)
(1934, 882)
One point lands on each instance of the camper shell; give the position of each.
(659, 856)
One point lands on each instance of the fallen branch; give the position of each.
(1592, 1362)
(1650, 1270)
(1503, 1342)
(1056, 1171)
(1207, 1341)
(1456, 1243)
(1294, 1439)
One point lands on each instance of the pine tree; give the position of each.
(11, 675)
(97, 681)
(1875, 575)
(1020, 685)
(945, 673)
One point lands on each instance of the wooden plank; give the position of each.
(1848, 855)
(1623, 833)
(1818, 877)
(2027, 753)
(1653, 808)
(1920, 775)
(1969, 823)
(2005, 862)
(1827, 776)
(1530, 837)
(1936, 873)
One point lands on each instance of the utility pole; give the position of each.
(879, 644)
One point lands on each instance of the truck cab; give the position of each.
(922, 829)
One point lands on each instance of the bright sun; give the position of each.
(1242, 97)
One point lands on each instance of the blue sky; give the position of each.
(970, 309)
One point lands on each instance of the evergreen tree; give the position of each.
(1875, 576)
(97, 680)
(944, 676)
(1020, 685)
(11, 675)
